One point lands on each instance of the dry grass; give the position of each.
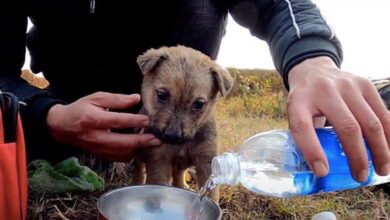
(238, 203)
(235, 124)
(256, 104)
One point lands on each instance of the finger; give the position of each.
(115, 146)
(349, 133)
(114, 101)
(378, 107)
(121, 120)
(372, 130)
(118, 141)
(319, 122)
(302, 129)
(375, 101)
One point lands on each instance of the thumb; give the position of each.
(112, 100)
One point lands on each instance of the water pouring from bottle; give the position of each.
(207, 187)
(199, 202)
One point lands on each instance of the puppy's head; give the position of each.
(179, 91)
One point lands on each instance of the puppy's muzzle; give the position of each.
(170, 135)
(173, 136)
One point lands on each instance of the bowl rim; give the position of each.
(100, 211)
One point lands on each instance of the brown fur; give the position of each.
(189, 135)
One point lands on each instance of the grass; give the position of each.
(257, 103)
(364, 203)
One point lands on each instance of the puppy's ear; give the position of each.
(150, 60)
(223, 79)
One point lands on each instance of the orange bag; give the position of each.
(13, 168)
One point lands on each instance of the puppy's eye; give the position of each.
(198, 105)
(162, 95)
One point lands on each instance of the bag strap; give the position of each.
(2, 111)
(9, 107)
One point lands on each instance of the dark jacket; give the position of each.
(83, 46)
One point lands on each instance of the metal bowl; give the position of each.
(151, 202)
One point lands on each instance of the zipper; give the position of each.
(92, 6)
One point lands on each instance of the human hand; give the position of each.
(353, 107)
(86, 124)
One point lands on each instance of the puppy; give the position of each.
(179, 92)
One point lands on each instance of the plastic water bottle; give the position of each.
(271, 163)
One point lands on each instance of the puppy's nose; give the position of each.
(173, 136)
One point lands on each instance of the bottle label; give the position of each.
(339, 177)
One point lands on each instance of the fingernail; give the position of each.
(362, 176)
(154, 142)
(320, 168)
(134, 96)
(385, 170)
(145, 123)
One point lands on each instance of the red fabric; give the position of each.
(13, 176)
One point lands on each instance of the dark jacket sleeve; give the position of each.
(294, 30)
(13, 23)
